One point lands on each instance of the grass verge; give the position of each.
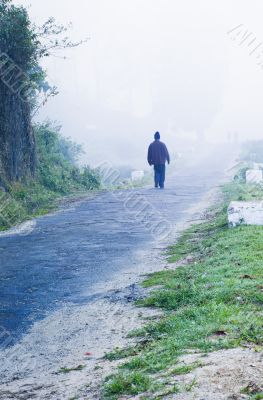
(214, 302)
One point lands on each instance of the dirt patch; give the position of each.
(35, 363)
(224, 375)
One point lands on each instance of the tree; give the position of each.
(22, 80)
(26, 44)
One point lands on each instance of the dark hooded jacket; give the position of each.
(158, 153)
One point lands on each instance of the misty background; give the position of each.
(152, 65)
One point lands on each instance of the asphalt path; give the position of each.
(69, 252)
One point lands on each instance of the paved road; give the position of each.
(67, 253)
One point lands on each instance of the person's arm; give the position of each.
(150, 155)
(167, 155)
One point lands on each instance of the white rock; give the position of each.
(254, 176)
(137, 175)
(245, 212)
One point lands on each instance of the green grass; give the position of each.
(118, 354)
(258, 396)
(185, 369)
(214, 302)
(190, 386)
(27, 201)
(129, 383)
(65, 370)
(254, 391)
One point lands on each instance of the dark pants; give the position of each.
(159, 175)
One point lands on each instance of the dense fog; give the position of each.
(191, 70)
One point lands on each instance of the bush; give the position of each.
(56, 162)
(57, 174)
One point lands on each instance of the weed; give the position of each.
(132, 384)
(190, 386)
(65, 370)
(185, 369)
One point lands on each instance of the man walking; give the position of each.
(157, 156)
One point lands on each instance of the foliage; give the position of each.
(56, 176)
(26, 44)
(214, 302)
(132, 384)
(56, 156)
(17, 38)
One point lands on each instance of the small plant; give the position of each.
(171, 390)
(118, 354)
(190, 386)
(185, 369)
(252, 389)
(97, 367)
(65, 370)
(123, 383)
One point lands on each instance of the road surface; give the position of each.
(69, 252)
